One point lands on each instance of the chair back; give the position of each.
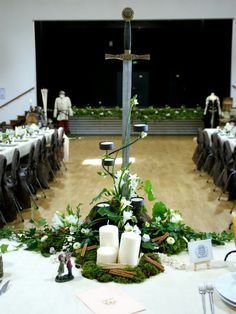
(15, 165)
(3, 166)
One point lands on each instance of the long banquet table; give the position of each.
(223, 137)
(24, 145)
(33, 289)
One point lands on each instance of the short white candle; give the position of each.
(106, 255)
(129, 248)
(109, 236)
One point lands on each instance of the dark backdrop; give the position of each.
(189, 60)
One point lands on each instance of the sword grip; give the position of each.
(127, 37)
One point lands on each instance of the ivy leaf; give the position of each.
(148, 189)
(4, 248)
(159, 209)
(149, 246)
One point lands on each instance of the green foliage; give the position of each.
(6, 233)
(159, 209)
(3, 248)
(143, 271)
(103, 211)
(144, 114)
(148, 189)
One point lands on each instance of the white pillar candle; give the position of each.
(106, 255)
(129, 248)
(109, 236)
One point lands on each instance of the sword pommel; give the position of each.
(128, 14)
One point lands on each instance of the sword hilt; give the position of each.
(127, 15)
(127, 37)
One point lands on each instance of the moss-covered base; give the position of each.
(91, 270)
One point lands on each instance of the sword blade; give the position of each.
(126, 96)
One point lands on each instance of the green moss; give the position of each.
(143, 271)
(89, 256)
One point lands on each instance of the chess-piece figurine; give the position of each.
(212, 111)
(62, 111)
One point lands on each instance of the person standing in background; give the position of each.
(62, 111)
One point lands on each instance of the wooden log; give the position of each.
(84, 249)
(88, 248)
(122, 273)
(154, 263)
(161, 238)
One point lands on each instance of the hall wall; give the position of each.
(17, 43)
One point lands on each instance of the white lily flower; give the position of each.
(128, 227)
(146, 237)
(85, 231)
(176, 218)
(136, 229)
(124, 203)
(71, 219)
(56, 221)
(72, 229)
(70, 239)
(127, 215)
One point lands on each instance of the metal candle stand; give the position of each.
(231, 252)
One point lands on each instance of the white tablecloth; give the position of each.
(33, 289)
(223, 137)
(24, 147)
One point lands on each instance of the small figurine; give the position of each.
(69, 266)
(64, 259)
(60, 271)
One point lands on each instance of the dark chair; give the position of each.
(37, 167)
(11, 183)
(43, 166)
(3, 164)
(207, 154)
(228, 163)
(26, 174)
(52, 153)
(198, 154)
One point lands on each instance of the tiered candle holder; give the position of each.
(107, 161)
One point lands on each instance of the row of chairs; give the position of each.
(20, 181)
(215, 157)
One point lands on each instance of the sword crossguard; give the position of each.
(127, 56)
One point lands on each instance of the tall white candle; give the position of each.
(109, 236)
(106, 255)
(129, 248)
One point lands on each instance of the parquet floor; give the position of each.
(165, 160)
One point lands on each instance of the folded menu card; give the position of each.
(110, 299)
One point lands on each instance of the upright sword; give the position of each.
(127, 57)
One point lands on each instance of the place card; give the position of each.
(110, 299)
(200, 251)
